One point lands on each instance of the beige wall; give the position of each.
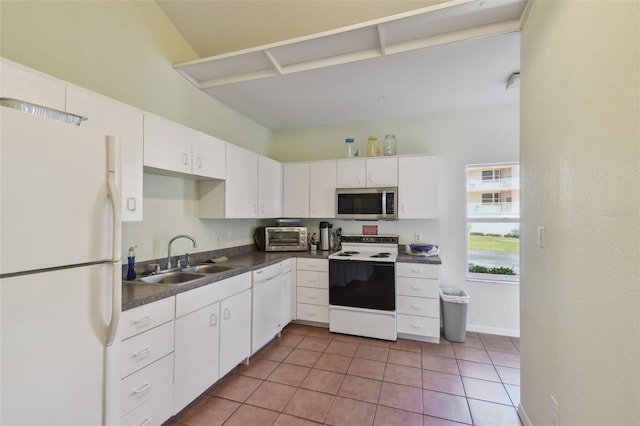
(487, 135)
(580, 165)
(125, 50)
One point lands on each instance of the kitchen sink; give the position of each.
(209, 269)
(173, 277)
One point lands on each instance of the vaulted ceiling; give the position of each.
(295, 64)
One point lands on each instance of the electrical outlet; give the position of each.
(554, 411)
(418, 237)
(217, 240)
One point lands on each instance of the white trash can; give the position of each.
(454, 313)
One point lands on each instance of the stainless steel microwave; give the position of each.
(281, 238)
(367, 203)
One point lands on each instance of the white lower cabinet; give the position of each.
(312, 282)
(197, 354)
(417, 300)
(146, 363)
(213, 335)
(235, 330)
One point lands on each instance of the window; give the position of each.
(493, 222)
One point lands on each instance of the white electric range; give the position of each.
(362, 294)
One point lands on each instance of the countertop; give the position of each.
(136, 293)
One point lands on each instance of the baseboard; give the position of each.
(493, 330)
(523, 416)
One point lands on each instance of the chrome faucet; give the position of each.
(193, 240)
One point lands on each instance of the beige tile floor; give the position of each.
(310, 376)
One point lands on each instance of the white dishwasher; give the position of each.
(268, 300)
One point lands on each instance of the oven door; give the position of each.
(362, 284)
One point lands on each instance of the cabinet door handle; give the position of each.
(213, 320)
(185, 158)
(131, 204)
(404, 208)
(142, 389)
(145, 422)
(142, 320)
(142, 353)
(199, 162)
(227, 313)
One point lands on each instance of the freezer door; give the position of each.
(53, 328)
(54, 206)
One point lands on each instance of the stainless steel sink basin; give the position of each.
(208, 268)
(173, 277)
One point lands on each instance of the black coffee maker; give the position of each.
(325, 236)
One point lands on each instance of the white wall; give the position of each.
(460, 138)
(580, 164)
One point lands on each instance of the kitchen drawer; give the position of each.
(313, 296)
(154, 412)
(421, 326)
(417, 270)
(417, 287)
(315, 313)
(321, 265)
(192, 300)
(312, 279)
(421, 306)
(144, 384)
(141, 350)
(136, 320)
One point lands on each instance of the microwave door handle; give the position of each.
(384, 203)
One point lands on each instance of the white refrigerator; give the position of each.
(60, 272)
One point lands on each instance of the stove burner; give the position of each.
(348, 253)
(384, 254)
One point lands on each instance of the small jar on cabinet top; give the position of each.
(349, 148)
(389, 145)
(373, 147)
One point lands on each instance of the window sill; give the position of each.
(481, 278)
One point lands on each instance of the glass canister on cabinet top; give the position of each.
(389, 145)
(350, 150)
(373, 147)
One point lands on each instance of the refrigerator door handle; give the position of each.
(116, 271)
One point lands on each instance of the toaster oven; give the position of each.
(281, 238)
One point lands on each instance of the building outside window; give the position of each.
(493, 222)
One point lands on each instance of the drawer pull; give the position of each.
(417, 326)
(142, 389)
(416, 287)
(145, 422)
(415, 271)
(416, 307)
(213, 320)
(227, 313)
(311, 297)
(143, 320)
(313, 281)
(311, 314)
(142, 353)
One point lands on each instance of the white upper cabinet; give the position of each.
(269, 188)
(252, 188)
(418, 187)
(208, 156)
(369, 172)
(24, 84)
(322, 189)
(296, 190)
(124, 122)
(174, 148)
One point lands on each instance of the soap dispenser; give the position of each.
(131, 258)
